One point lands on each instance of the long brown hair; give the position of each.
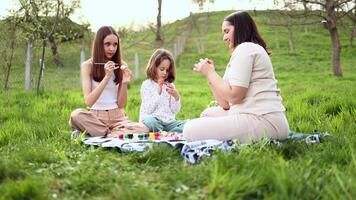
(157, 57)
(245, 29)
(98, 55)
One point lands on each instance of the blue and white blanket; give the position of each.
(192, 151)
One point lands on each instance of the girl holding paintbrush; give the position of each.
(104, 82)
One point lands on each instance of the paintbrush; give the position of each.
(122, 66)
(105, 63)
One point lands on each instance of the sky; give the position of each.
(141, 12)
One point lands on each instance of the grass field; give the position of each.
(38, 160)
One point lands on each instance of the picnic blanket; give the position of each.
(192, 152)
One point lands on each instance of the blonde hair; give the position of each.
(157, 57)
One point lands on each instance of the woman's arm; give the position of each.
(221, 101)
(91, 96)
(222, 90)
(232, 94)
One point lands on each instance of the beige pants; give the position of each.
(216, 123)
(103, 122)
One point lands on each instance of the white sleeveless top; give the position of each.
(108, 98)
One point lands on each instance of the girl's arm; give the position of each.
(91, 96)
(174, 104)
(122, 93)
(150, 97)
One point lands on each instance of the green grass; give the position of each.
(39, 161)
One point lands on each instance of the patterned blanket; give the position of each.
(190, 151)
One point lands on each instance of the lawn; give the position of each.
(38, 160)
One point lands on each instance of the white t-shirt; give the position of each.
(108, 98)
(163, 106)
(250, 67)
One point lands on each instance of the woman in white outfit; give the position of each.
(250, 105)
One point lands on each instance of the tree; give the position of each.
(38, 16)
(288, 15)
(330, 11)
(353, 30)
(66, 31)
(40, 20)
(352, 17)
(201, 3)
(159, 25)
(281, 18)
(9, 33)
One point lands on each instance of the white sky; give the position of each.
(140, 12)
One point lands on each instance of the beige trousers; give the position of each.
(217, 123)
(103, 122)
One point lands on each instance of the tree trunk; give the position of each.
(9, 62)
(352, 36)
(28, 66)
(159, 31)
(41, 67)
(7, 75)
(54, 48)
(336, 51)
(306, 11)
(353, 32)
(8, 66)
(335, 41)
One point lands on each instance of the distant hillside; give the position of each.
(312, 50)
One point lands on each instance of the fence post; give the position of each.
(28, 67)
(44, 67)
(179, 45)
(137, 62)
(82, 56)
(174, 51)
(276, 36)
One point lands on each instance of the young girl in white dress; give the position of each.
(160, 99)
